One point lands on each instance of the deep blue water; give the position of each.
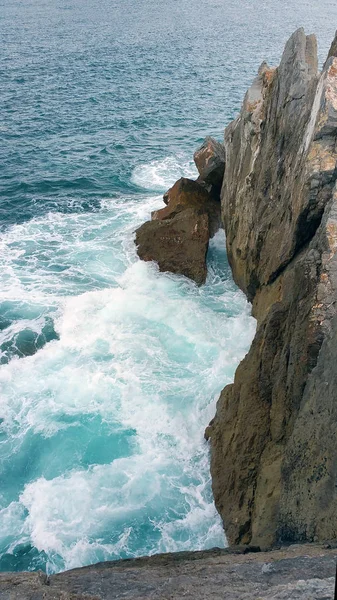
(109, 370)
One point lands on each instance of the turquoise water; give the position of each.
(109, 370)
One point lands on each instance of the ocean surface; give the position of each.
(110, 371)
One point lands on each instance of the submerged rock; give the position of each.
(273, 439)
(25, 342)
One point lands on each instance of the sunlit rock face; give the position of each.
(273, 446)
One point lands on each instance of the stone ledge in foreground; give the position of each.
(297, 572)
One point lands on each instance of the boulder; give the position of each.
(186, 193)
(210, 162)
(178, 244)
(177, 236)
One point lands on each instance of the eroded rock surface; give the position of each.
(177, 237)
(273, 439)
(210, 162)
(297, 572)
(186, 193)
(178, 245)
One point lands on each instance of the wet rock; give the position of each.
(210, 162)
(273, 451)
(178, 244)
(166, 197)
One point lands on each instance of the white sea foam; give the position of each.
(144, 353)
(161, 174)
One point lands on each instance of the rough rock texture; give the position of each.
(273, 439)
(178, 245)
(297, 572)
(210, 162)
(177, 237)
(186, 193)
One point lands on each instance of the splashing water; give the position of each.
(110, 370)
(103, 426)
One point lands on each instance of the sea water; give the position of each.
(110, 370)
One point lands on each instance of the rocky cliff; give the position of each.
(273, 438)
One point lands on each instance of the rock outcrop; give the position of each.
(297, 572)
(178, 245)
(177, 237)
(210, 162)
(186, 193)
(273, 438)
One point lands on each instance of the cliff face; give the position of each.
(273, 439)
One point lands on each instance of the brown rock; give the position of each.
(186, 193)
(178, 235)
(210, 162)
(273, 439)
(166, 197)
(179, 244)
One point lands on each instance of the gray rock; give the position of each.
(273, 439)
(297, 572)
(333, 48)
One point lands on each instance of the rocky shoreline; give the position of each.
(273, 438)
(272, 185)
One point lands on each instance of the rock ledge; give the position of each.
(297, 572)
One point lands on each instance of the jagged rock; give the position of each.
(273, 439)
(264, 155)
(210, 161)
(333, 49)
(178, 244)
(178, 235)
(186, 193)
(297, 572)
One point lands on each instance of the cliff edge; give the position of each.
(273, 438)
(298, 572)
